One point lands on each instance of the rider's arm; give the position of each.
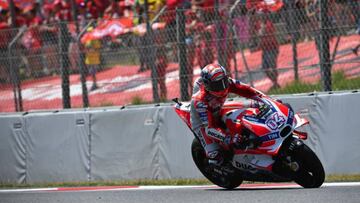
(244, 90)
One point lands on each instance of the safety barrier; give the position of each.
(138, 142)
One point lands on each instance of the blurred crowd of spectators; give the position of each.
(253, 20)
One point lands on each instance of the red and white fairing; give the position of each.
(272, 128)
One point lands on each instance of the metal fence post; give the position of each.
(151, 54)
(324, 50)
(12, 13)
(230, 36)
(183, 73)
(228, 40)
(14, 71)
(13, 78)
(64, 37)
(294, 38)
(81, 64)
(219, 35)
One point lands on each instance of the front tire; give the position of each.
(226, 180)
(311, 173)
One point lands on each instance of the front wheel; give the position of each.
(311, 173)
(220, 176)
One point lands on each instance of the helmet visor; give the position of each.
(220, 85)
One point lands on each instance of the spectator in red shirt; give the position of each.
(251, 6)
(193, 27)
(95, 9)
(255, 7)
(98, 7)
(206, 8)
(5, 34)
(161, 63)
(19, 18)
(205, 49)
(62, 10)
(32, 40)
(4, 38)
(270, 48)
(115, 9)
(31, 19)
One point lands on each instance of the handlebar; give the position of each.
(264, 109)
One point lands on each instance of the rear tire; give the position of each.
(311, 173)
(225, 180)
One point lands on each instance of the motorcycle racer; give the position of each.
(209, 94)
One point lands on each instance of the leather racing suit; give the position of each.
(205, 114)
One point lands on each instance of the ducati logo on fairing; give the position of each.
(243, 165)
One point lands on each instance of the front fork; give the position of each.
(285, 165)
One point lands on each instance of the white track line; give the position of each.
(27, 190)
(150, 187)
(343, 184)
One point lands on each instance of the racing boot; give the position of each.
(216, 158)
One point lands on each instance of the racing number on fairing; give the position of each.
(275, 121)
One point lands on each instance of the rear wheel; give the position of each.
(224, 177)
(311, 173)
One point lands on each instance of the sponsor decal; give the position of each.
(227, 139)
(237, 82)
(275, 121)
(149, 121)
(203, 114)
(203, 118)
(290, 117)
(291, 114)
(202, 140)
(201, 110)
(201, 105)
(213, 154)
(250, 118)
(271, 136)
(215, 134)
(243, 166)
(253, 119)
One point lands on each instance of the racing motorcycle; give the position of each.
(272, 149)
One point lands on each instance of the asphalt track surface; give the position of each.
(274, 193)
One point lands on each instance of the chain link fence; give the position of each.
(291, 47)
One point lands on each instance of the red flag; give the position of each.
(112, 28)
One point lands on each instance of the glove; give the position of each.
(254, 143)
(279, 100)
(244, 142)
(235, 140)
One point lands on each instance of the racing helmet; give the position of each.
(215, 80)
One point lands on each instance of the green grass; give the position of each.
(339, 82)
(104, 103)
(329, 178)
(342, 178)
(138, 100)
